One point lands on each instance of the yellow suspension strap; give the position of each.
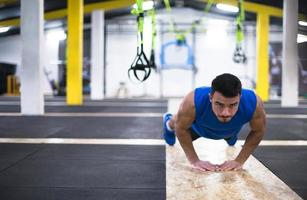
(239, 55)
(180, 35)
(206, 10)
(168, 9)
(152, 62)
(140, 64)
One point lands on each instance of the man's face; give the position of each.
(224, 107)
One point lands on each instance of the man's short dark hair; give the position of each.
(227, 84)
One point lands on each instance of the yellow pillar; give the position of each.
(9, 86)
(262, 84)
(74, 53)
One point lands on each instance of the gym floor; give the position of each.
(113, 149)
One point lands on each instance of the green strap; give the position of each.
(180, 35)
(168, 9)
(152, 13)
(141, 15)
(239, 21)
(241, 9)
(139, 9)
(167, 5)
(206, 10)
(208, 6)
(139, 12)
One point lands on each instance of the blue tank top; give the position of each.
(207, 125)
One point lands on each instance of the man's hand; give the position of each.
(204, 166)
(229, 166)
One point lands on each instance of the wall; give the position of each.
(213, 55)
(10, 52)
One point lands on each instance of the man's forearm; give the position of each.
(252, 141)
(187, 145)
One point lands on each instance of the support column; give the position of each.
(289, 54)
(74, 95)
(262, 84)
(97, 54)
(32, 24)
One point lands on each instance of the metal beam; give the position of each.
(88, 8)
(7, 1)
(116, 4)
(10, 22)
(254, 7)
(108, 5)
(257, 8)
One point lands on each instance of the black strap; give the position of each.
(152, 62)
(239, 55)
(140, 62)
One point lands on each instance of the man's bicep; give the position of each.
(184, 121)
(258, 121)
(186, 114)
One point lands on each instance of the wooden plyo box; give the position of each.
(254, 182)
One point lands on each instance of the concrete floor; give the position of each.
(100, 168)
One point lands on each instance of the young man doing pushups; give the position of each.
(217, 112)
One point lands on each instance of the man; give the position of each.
(217, 112)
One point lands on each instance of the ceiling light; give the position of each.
(147, 5)
(228, 8)
(4, 29)
(301, 38)
(302, 23)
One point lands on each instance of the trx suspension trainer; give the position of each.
(141, 64)
(239, 55)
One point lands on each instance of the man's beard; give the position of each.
(224, 119)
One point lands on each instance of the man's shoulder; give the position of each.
(202, 92)
(249, 95)
(248, 103)
(247, 91)
(187, 107)
(188, 100)
(203, 89)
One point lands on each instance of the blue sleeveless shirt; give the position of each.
(207, 125)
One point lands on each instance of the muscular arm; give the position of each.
(185, 118)
(257, 125)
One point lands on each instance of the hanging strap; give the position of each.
(140, 63)
(239, 55)
(206, 10)
(239, 21)
(152, 62)
(180, 35)
(171, 21)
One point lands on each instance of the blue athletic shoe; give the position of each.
(169, 136)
